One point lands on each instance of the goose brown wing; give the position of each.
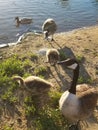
(88, 99)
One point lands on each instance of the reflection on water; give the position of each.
(69, 14)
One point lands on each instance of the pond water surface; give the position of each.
(68, 14)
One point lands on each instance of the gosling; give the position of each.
(49, 27)
(23, 21)
(33, 84)
(52, 56)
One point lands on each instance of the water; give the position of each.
(68, 14)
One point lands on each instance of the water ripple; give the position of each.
(69, 14)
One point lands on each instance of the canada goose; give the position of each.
(49, 27)
(77, 103)
(52, 56)
(33, 83)
(23, 21)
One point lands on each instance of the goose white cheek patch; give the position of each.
(73, 66)
(45, 32)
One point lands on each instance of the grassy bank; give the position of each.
(22, 111)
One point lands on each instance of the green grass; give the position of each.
(29, 106)
(8, 92)
(4, 80)
(47, 117)
(82, 79)
(50, 119)
(27, 64)
(62, 55)
(55, 96)
(8, 68)
(34, 57)
(79, 58)
(40, 70)
(6, 127)
(11, 66)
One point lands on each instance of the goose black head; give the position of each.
(69, 63)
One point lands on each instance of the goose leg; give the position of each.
(52, 38)
(75, 126)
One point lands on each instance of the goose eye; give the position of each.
(73, 66)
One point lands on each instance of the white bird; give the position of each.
(77, 103)
(23, 21)
(49, 27)
(52, 56)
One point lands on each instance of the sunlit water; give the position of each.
(68, 14)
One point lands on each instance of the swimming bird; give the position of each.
(77, 103)
(52, 56)
(49, 27)
(23, 21)
(33, 84)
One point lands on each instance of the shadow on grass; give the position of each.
(84, 76)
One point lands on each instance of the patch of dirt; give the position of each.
(77, 43)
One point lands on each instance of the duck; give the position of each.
(23, 21)
(33, 84)
(52, 56)
(49, 27)
(77, 103)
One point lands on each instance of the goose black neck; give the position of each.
(74, 80)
